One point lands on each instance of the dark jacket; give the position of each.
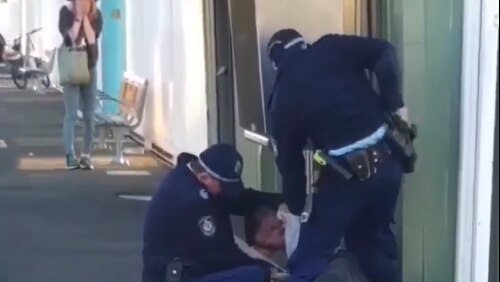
(66, 20)
(323, 94)
(183, 221)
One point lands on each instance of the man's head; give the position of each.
(284, 41)
(219, 169)
(264, 231)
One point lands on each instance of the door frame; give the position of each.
(219, 64)
(478, 112)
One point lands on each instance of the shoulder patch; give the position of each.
(207, 226)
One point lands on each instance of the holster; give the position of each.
(182, 269)
(363, 163)
(360, 164)
(174, 271)
(400, 137)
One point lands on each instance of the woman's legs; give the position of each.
(89, 94)
(71, 96)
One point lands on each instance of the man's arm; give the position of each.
(288, 140)
(379, 57)
(211, 247)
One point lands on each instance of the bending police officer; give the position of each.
(323, 94)
(188, 234)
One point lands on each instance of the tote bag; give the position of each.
(73, 66)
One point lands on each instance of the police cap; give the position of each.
(224, 163)
(283, 37)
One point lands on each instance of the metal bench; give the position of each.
(129, 116)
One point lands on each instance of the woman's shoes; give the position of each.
(72, 163)
(85, 163)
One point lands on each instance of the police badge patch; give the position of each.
(207, 226)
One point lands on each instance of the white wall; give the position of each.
(10, 19)
(165, 44)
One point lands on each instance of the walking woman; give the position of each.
(80, 24)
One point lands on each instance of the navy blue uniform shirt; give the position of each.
(323, 94)
(184, 221)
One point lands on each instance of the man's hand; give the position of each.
(403, 113)
(292, 228)
(279, 276)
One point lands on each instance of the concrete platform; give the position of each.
(59, 226)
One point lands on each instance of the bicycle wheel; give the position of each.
(18, 78)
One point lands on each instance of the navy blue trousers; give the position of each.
(242, 274)
(360, 211)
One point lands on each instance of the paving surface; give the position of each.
(59, 226)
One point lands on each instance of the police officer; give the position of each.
(324, 95)
(188, 234)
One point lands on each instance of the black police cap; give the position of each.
(223, 162)
(282, 37)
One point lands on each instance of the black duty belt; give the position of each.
(180, 269)
(357, 165)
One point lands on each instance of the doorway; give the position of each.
(242, 75)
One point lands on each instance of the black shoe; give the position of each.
(86, 163)
(72, 162)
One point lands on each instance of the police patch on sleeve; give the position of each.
(207, 226)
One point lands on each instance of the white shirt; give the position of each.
(292, 231)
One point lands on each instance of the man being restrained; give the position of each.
(265, 240)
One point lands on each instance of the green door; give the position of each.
(428, 35)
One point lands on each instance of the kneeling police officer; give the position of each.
(323, 94)
(188, 234)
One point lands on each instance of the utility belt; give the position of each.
(358, 165)
(181, 269)
(174, 271)
(362, 164)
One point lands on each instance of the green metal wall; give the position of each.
(428, 34)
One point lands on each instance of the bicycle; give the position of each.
(24, 67)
